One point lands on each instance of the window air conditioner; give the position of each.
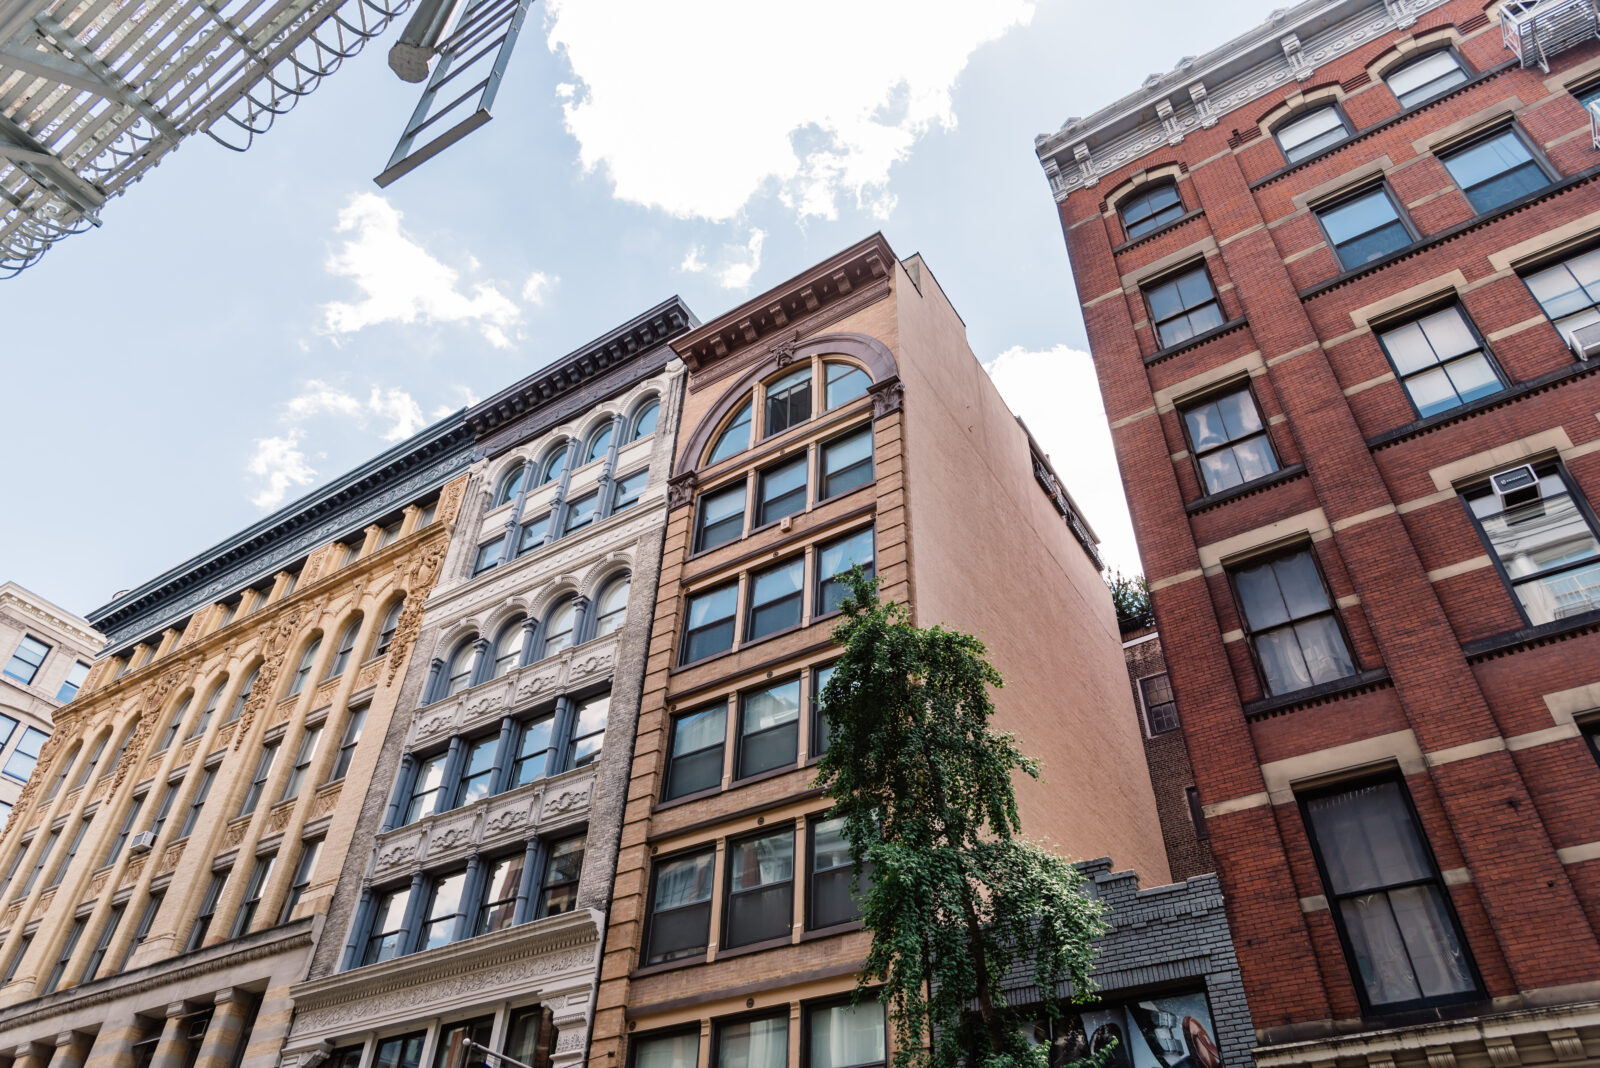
(1586, 341)
(1516, 487)
(141, 842)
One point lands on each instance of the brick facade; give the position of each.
(1168, 758)
(1474, 705)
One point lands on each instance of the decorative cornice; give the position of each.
(1285, 50)
(29, 605)
(795, 306)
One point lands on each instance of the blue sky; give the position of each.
(246, 326)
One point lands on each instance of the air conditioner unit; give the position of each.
(141, 842)
(1586, 341)
(1516, 487)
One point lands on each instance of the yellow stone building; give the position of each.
(167, 868)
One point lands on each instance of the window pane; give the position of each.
(775, 599)
(734, 439)
(846, 463)
(673, 1051)
(500, 894)
(846, 1035)
(1301, 585)
(1322, 645)
(644, 423)
(1282, 663)
(769, 723)
(697, 742)
(788, 401)
(1568, 287)
(754, 1043)
(1255, 458)
(1367, 216)
(558, 627)
(761, 888)
(721, 517)
(1206, 429)
(782, 491)
(562, 873)
(1307, 130)
(1473, 377)
(600, 443)
(1495, 171)
(834, 561)
(1367, 838)
(1409, 349)
(844, 383)
(1258, 595)
(580, 513)
(710, 617)
(1427, 77)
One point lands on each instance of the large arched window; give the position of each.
(558, 627)
(347, 646)
(509, 486)
(1306, 135)
(599, 442)
(1425, 77)
(612, 606)
(735, 438)
(788, 402)
(508, 646)
(842, 383)
(1150, 208)
(554, 463)
(390, 624)
(94, 759)
(303, 671)
(458, 671)
(644, 420)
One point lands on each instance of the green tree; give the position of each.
(956, 900)
(1131, 596)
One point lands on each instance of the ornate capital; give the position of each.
(888, 397)
(680, 490)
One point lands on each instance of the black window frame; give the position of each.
(817, 729)
(1214, 395)
(743, 415)
(429, 918)
(302, 671)
(467, 778)
(373, 937)
(771, 509)
(1272, 556)
(304, 866)
(1416, 317)
(1151, 220)
(415, 793)
(197, 803)
(1350, 196)
(207, 712)
(258, 780)
(141, 932)
(575, 757)
(1305, 113)
(741, 739)
(33, 757)
(387, 627)
(345, 649)
(820, 583)
(355, 721)
(580, 513)
(812, 873)
(1201, 267)
(59, 970)
(1151, 730)
(731, 620)
(826, 477)
(254, 889)
(691, 1030)
(1302, 798)
(846, 1001)
(690, 954)
(35, 667)
(304, 755)
(721, 1023)
(1467, 74)
(485, 903)
(727, 937)
(752, 606)
(208, 909)
(623, 498)
(1544, 265)
(64, 695)
(108, 931)
(539, 757)
(487, 555)
(548, 881)
(1535, 156)
(701, 527)
(803, 384)
(669, 784)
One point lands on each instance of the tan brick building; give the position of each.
(839, 418)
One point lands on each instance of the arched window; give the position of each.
(391, 623)
(558, 627)
(173, 724)
(1425, 77)
(458, 672)
(211, 707)
(599, 443)
(735, 438)
(347, 645)
(89, 765)
(644, 420)
(842, 383)
(510, 485)
(243, 697)
(554, 464)
(788, 402)
(612, 607)
(122, 746)
(508, 646)
(1150, 208)
(304, 670)
(1306, 135)
(61, 776)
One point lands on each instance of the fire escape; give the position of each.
(1535, 30)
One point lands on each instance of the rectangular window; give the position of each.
(259, 875)
(16, 862)
(559, 891)
(769, 728)
(388, 918)
(302, 762)
(1364, 227)
(1543, 539)
(775, 596)
(1183, 306)
(451, 1051)
(667, 1051)
(1293, 625)
(695, 762)
(710, 617)
(389, 534)
(830, 900)
(242, 698)
(207, 777)
(1311, 133)
(208, 910)
(206, 713)
(1197, 812)
(820, 731)
(352, 550)
(580, 513)
(531, 535)
(164, 809)
(72, 851)
(258, 782)
(780, 491)
(147, 920)
(25, 757)
(720, 518)
(427, 784)
(532, 758)
(302, 878)
(39, 862)
(91, 968)
(499, 908)
(487, 556)
(760, 904)
(843, 1035)
(762, 1042)
(8, 727)
(845, 463)
(1569, 292)
(59, 969)
(1387, 897)
(588, 731)
(25, 662)
(348, 743)
(530, 1036)
(402, 1051)
(1160, 709)
(1425, 78)
(1230, 440)
(1496, 170)
(1441, 360)
(680, 908)
(788, 401)
(834, 561)
(477, 769)
(73, 682)
(444, 910)
(627, 490)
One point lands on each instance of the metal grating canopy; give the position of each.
(93, 93)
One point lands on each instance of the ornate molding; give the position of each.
(888, 397)
(680, 490)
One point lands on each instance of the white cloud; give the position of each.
(1057, 395)
(396, 405)
(538, 286)
(693, 261)
(827, 121)
(402, 282)
(319, 398)
(281, 464)
(737, 265)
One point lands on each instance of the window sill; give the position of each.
(1445, 236)
(850, 927)
(1245, 489)
(668, 966)
(717, 791)
(1531, 637)
(1560, 376)
(739, 648)
(1350, 686)
(1194, 342)
(755, 947)
(1135, 242)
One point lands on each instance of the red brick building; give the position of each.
(1336, 276)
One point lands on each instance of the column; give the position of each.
(429, 688)
(502, 755)
(608, 473)
(358, 928)
(113, 1045)
(560, 735)
(416, 905)
(467, 918)
(528, 887)
(580, 620)
(225, 1029)
(173, 1048)
(31, 1055)
(530, 639)
(72, 1049)
(452, 774)
(402, 789)
(482, 661)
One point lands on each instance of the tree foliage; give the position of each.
(1131, 596)
(957, 902)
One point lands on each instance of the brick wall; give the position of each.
(1168, 759)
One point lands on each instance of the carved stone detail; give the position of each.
(405, 632)
(395, 854)
(502, 822)
(235, 834)
(888, 397)
(680, 490)
(326, 802)
(566, 801)
(169, 859)
(368, 675)
(131, 873)
(534, 685)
